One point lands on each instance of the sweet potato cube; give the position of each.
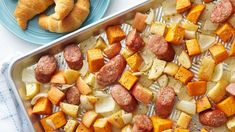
(225, 32)
(182, 5)
(83, 87)
(160, 124)
(134, 61)
(184, 120)
(181, 130)
(195, 13)
(171, 68)
(58, 78)
(128, 80)
(142, 94)
(112, 50)
(203, 130)
(100, 44)
(95, 59)
(57, 120)
(43, 106)
(203, 104)
(115, 34)
(193, 47)
(55, 95)
(227, 106)
(219, 53)
(89, 118)
(82, 128)
(196, 88)
(139, 21)
(232, 50)
(102, 125)
(175, 34)
(184, 75)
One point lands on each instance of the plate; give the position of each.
(36, 35)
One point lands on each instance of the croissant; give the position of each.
(62, 8)
(70, 23)
(27, 9)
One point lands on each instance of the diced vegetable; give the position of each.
(187, 106)
(209, 26)
(163, 80)
(88, 44)
(207, 12)
(203, 130)
(193, 47)
(37, 97)
(112, 50)
(184, 120)
(31, 89)
(187, 25)
(227, 106)
(168, 130)
(183, 94)
(58, 78)
(88, 101)
(82, 128)
(231, 124)
(95, 59)
(85, 68)
(105, 105)
(89, 118)
(139, 22)
(196, 88)
(184, 60)
(142, 94)
(126, 117)
(206, 69)
(71, 76)
(168, 7)
(70, 126)
(175, 84)
(157, 69)
(184, 75)
(232, 50)
(134, 61)
(218, 92)
(115, 34)
(116, 119)
(231, 89)
(43, 106)
(127, 52)
(145, 81)
(158, 28)
(218, 72)
(219, 53)
(175, 34)
(83, 87)
(195, 13)
(182, 5)
(55, 95)
(203, 104)
(181, 130)
(205, 41)
(69, 109)
(160, 124)
(148, 58)
(128, 80)
(102, 125)
(190, 34)
(171, 68)
(90, 79)
(28, 75)
(150, 18)
(53, 121)
(100, 44)
(127, 128)
(225, 32)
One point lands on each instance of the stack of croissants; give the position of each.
(68, 16)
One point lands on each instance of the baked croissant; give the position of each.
(62, 8)
(27, 9)
(70, 23)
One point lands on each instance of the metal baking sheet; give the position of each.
(96, 30)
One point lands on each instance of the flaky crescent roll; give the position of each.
(62, 8)
(70, 23)
(27, 9)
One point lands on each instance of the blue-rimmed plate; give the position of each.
(36, 35)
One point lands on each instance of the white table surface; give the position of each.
(10, 44)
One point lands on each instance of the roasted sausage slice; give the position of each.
(161, 48)
(134, 41)
(46, 68)
(213, 118)
(123, 98)
(73, 95)
(111, 71)
(73, 56)
(221, 12)
(142, 123)
(165, 102)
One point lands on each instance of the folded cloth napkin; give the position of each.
(11, 115)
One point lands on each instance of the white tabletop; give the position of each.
(10, 44)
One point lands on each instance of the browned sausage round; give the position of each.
(46, 67)
(134, 41)
(73, 95)
(221, 12)
(111, 71)
(142, 123)
(165, 102)
(213, 118)
(73, 56)
(123, 98)
(161, 48)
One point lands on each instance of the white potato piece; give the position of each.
(169, 7)
(90, 79)
(70, 126)
(206, 69)
(231, 124)
(145, 81)
(105, 105)
(171, 68)
(187, 106)
(184, 60)
(163, 80)
(71, 76)
(184, 120)
(69, 109)
(158, 28)
(88, 44)
(85, 103)
(126, 117)
(218, 72)
(187, 25)
(183, 94)
(157, 69)
(206, 41)
(150, 18)
(32, 89)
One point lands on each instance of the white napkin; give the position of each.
(11, 115)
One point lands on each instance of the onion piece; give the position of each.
(218, 72)
(28, 75)
(84, 69)
(169, 7)
(85, 103)
(37, 97)
(207, 12)
(176, 18)
(148, 58)
(150, 18)
(100, 94)
(88, 44)
(187, 106)
(206, 41)
(209, 26)
(187, 25)
(105, 105)
(126, 117)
